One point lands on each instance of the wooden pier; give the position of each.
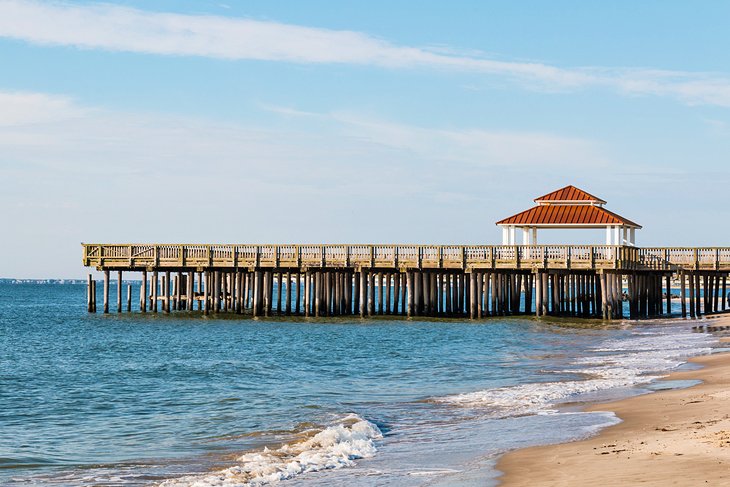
(414, 280)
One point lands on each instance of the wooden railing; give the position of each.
(140, 256)
(691, 258)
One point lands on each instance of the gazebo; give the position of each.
(568, 207)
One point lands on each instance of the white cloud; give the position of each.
(103, 26)
(20, 108)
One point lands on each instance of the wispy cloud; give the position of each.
(18, 108)
(114, 28)
(78, 172)
(59, 133)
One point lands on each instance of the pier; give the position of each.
(414, 280)
(474, 281)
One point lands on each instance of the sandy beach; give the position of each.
(675, 437)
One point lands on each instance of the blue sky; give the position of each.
(379, 121)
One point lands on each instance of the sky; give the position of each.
(354, 122)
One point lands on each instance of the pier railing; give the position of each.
(146, 256)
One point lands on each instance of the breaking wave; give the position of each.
(333, 447)
(614, 364)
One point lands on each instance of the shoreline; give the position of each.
(669, 437)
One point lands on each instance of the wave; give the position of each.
(336, 446)
(613, 364)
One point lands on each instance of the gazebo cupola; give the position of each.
(565, 208)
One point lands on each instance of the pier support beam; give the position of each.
(155, 290)
(129, 298)
(538, 296)
(143, 293)
(167, 292)
(698, 297)
(307, 293)
(119, 291)
(362, 290)
(381, 284)
(90, 295)
(106, 291)
(257, 284)
(371, 292)
(411, 289)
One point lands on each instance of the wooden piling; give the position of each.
(362, 293)
(180, 291)
(396, 293)
(417, 293)
(698, 295)
(89, 295)
(425, 293)
(348, 282)
(119, 291)
(167, 292)
(472, 290)
(143, 293)
(93, 295)
(215, 288)
(155, 291)
(270, 293)
(447, 294)
(129, 298)
(287, 306)
(370, 292)
(279, 277)
(379, 282)
(604, 303)
(318, 293)
(403, 292)
(307, 292)
(106, 291)
(411, 289)
(538, 296)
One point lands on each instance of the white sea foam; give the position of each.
(612, 364)
(333, 447)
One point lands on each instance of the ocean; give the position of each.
(186, 400)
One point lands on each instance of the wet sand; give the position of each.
(675, 437)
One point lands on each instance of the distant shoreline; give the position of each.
(10, 280)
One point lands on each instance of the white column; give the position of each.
(534, 236)
(624, 236)
(525, 236)
(617, 235)
(512, 235)
(608, 235)
(505, 235)
(632, 237)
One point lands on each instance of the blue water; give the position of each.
(131, 399)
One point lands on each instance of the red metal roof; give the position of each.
(570, 193)
(567, 215)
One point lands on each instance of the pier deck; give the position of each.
(416, 280)
(136, 257)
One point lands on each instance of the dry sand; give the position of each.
(676, 437)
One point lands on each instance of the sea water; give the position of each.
(187, 400)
